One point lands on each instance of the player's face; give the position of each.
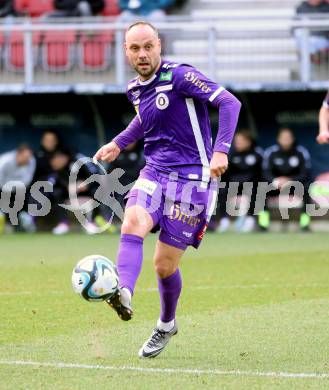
(143, 50)
(286, 139)
(315, 2)
(49, 141)
(23, 157)
(241, 143)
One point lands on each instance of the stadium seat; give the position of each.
(111, 8)
(58, 51)
(21, 6)
(39, 7)
(14, 51)
(95, 51)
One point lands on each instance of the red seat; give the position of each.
(39, 7)
(21, 6)
(111, 8)
(15, 56)
(58, 50)
(95, 51)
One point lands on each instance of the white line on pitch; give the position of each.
(213, 287)
(191, 371)
(242, 286)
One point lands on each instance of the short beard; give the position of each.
(147, 73)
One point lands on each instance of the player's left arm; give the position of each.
(323, 136)
(194, 84)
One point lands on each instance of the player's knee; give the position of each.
(164, 267)
(135, 223)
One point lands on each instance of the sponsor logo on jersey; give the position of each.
(162, 101)
(165, 76)
(293, 161)
(251, 159)
(187, 234)
(194, 79)
(177, 214)
(145, 185)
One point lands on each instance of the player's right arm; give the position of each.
(111, 151)
(323, 136)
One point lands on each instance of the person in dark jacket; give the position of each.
(285, 162)
(318, 40)
(245, 165)
(50, 143)
(67, 8)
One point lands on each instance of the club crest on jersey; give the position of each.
(162, 101)
(194, 79)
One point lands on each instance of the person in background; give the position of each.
(83, 8)
(131, 160)
(18, 165)
(61, 164)
(245, 165)
(318, 40)
(323, 136)
(153, 10)
(49, 144)
(284, 162)
(7, 8)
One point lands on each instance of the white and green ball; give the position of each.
(95, 278)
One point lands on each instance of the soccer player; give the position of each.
(171, 115)
(323, 136)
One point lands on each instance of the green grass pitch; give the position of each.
(254, 309)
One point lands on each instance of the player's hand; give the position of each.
(280, 182)
(218, 164)
(323, 137)
(108, 152)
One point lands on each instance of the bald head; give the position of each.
(143, 49)
(141, 25)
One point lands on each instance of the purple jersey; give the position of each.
(172, 116)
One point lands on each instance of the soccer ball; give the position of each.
(95, 278)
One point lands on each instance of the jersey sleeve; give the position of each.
(191, 83)
(132, 133)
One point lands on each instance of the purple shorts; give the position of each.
(181, 209)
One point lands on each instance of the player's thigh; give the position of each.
(136, 221)
(166, 259)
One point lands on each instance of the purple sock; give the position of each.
(129, 260)
(169, 289)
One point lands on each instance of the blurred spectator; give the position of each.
(155, 10)
(61, 164)
(318, 40)
(66, 8)
(245, 165)
(7, 8)
(131, 160)
(284, 162)
(18, 165)
(50, 143)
